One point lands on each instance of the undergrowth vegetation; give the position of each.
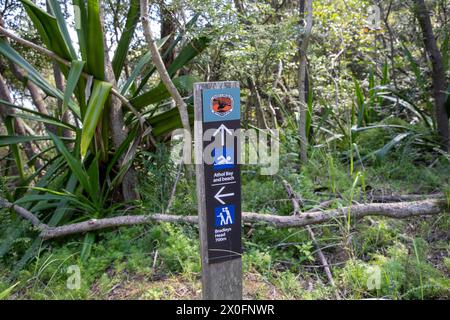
(373, 257)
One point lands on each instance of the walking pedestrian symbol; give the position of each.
(224, 215)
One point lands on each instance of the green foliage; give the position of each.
(94, 110)
(9, 123)
(160, 92)
(282, 258)
(8, 52)
(5, 293)
(285, 249)
(189, 52)
(49, 29)
(10, 140)
(372, 237)
(144, 61)
(95, 58)
(402, 275)
(125, 40)
(178, 250)
(156, 186)
(139, 251)
(447, 263)
(289, 285)
(72, 81)
(85, 175)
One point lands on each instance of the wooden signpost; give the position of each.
(217, 117)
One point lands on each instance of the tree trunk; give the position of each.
(385, 17)
(159, 64)
(239, 6)
(5, 111)
(118, 131)
(303, 46)
(438, 74)
(35, 93)
(59, 81)
(167, 29)
(65, 115)
(278, 119)
(295, 199)
(262, 124)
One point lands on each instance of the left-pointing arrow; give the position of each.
(219, 195)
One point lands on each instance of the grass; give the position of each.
(373, 257)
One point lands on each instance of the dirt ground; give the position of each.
(255, 287)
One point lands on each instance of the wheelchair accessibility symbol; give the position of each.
(224, 215)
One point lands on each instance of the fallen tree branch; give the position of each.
(392, 210)
(22, 212)
(295, 203)
(380, 197)
(383, 198)
(174, 189)
(400, 210)
(105, 223)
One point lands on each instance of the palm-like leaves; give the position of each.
(91, 177)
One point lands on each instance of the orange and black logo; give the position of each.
(221, 105)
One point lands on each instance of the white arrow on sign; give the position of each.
(222, 129)
(219, 195)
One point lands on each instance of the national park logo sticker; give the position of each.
(221, 104)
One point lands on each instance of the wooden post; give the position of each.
(221, 269)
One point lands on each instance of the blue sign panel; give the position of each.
(223, 158)
(224, 215)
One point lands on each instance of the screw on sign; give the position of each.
(217, 117)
